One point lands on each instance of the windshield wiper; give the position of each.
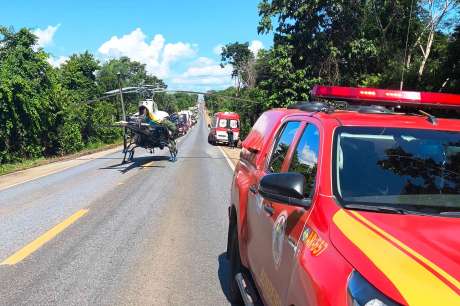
(450, 213)
(374, 208)
(402, 211)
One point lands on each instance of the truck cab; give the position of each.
(221, 122)
(350, 206)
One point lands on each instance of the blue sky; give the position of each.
(176, 39)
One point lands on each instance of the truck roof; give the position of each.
(228, 115)
(401, 120)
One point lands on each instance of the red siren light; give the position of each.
(376, 96)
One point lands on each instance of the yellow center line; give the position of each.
(149, 164)
(40, 241)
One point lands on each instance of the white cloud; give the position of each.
(218, 49)
(57, 61)
(255, 46)
(45, 36)
(204, 74)
(157, 55)
(163, 59)
(308, 156)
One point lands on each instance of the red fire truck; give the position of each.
(355, 205)
(220, 124)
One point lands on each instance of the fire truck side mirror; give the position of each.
(287, 188)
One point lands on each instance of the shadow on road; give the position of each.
(138, 162)
(223, 273)
(98, 158)
(203, 157)
(224, 145)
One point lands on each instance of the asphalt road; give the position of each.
(147, 233)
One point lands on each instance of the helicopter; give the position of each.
(141, 134)
(136, 132)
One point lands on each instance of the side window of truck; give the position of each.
(305, 157)
(283, 142)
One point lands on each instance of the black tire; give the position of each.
(233, 254)
(211, 140)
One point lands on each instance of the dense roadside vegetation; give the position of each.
(43, 110)
(409, 44)
(413, 44)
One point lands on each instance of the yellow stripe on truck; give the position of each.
(420, 257)
(417, 285)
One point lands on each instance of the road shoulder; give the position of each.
(23, 176)
(232, 155)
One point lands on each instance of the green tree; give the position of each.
(78, 78)
(30, 110)
(184, 100)
(451, 69)
(132, 73)
(360, 43)
(242, 60)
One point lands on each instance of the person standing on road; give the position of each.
(230, 138)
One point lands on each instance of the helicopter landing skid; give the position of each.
(172, 146)
(129, 153)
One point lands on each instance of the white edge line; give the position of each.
(227, 159)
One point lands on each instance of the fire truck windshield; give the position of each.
(397, 167)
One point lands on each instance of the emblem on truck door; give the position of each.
(279, 228)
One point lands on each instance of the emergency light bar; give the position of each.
(376, 96)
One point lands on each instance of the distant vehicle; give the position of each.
(187, 117)
(220, 123)
(355, 206)
(182, 125)
(194, 119)
(174, 118)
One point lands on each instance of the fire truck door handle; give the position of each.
(268, 209)
(253, 189)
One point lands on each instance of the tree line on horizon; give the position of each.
(408, 44)
(43, 109)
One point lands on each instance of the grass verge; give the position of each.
(30, 163)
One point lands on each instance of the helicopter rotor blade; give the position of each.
(210, 94)
(123, 90)
(161, 89)
(105, 96)
(155, 89)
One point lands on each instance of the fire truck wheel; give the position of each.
(234, 267)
